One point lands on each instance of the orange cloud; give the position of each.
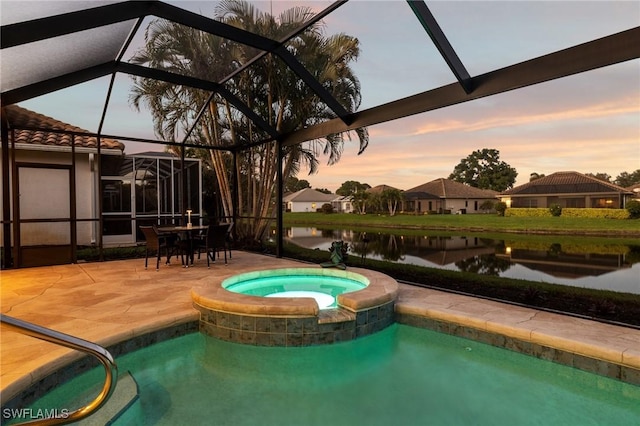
(602, 110)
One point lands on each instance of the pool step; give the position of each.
(125, 394)
(335, 315)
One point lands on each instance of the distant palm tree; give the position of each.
(268, 87)
(392, 197)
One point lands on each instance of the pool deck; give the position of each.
(109, 302)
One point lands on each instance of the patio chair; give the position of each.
(216, 239)
(169, 243)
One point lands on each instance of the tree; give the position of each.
(350, 187)
(293, 184)
(626, 180)
(483, 169)
(268, 87)
(391, 197)
(360, 200)
(323, 190)
(601, 176)
(374, 202)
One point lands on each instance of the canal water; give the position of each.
(607, 266)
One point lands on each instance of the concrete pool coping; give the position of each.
(107, 302)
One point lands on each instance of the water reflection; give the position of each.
(611, 267)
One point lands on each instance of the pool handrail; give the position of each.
(76, 343)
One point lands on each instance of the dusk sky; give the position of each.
(588, 123)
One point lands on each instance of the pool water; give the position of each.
(323, 288)
(399, 376)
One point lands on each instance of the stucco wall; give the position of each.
(455, 205)
(50, 197)
(298, 207)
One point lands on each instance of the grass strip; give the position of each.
(474, 223)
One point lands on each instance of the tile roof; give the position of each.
(307, 195)
(379, 189)
(446, 188)
(634, 188)
(564, 183)
(19, 118)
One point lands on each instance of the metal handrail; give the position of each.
(76, 343)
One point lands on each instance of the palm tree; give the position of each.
(361, 199)
(268, 87)
(392, 197)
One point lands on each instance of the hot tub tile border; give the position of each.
(340, 325)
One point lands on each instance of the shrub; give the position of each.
(596, 213)
(555, 210)
(500, 207)
(633, 207)
(528, 212)
(326, 208)
(487, 205)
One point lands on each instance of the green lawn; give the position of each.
(473, 223)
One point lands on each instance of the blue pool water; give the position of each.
(294, 283)
(399, 376)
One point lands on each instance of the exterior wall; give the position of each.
(86, 203)
(468, 206)
(454, 206)
(297, 206)
(422, 206)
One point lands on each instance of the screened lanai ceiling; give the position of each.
(53, 47)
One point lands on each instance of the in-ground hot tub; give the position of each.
(342, 305)
(322, 285)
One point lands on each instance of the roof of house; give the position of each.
(634, 188)
(564, 183)
(21, 119)
(447, 188)
(309, 195)
(379, 189)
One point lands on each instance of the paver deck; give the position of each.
(108, 302)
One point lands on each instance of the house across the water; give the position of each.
(447, 196)
(568, 190)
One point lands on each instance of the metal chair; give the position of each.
(158, 242)
(215, 239)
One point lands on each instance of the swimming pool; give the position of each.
(402, 375)
(323, 286)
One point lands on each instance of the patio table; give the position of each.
(188, 232)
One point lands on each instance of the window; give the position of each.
(116, 196)
(575, 203)
(604, 203)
